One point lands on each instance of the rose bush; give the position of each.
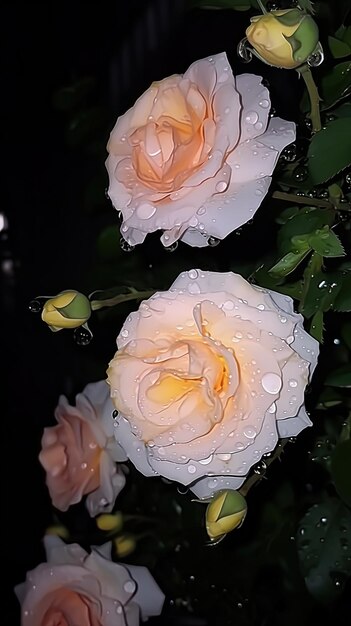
(79, 454)
(76, 589)
(194, 156)
(207, 377)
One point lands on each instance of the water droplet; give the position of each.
(125, 246)
(35, 306)
(212, 483)
(129, 586)
(224, 457)
(213, 241)
(201, 210)
(172, 248)
(272, 408)
(271, 382)
(191, 469)
(300, 173)
(193, 274)
(207, 460)
(82, 336)
(317, 56)
(221, 186)
(293, 383)
(264, 104)
(244, 51)
(251, 117)
(145, 211)
(250, 432)
(259, 126)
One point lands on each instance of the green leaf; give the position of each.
(346, 334)
(289, 263)
(307, 220)
(344, 34)
(317, 326)
(321, 291)
(343, 299)
(307, 5)
(334, 86)
(338, 48)
(325, 242)
(324, 549)
(108, 245)
(341, 470)
(329, 151)
(322, 451)
(238, 5)
(84, 126)
(341, 377)
(287, 214)
(70, 97)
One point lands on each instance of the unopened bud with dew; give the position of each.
(69, 309)
(284, 38)
(225, 512)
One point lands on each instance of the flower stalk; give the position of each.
(313, 94)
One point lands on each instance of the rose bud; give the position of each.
(110, 521)
(283, 38)
(224, 513)
(69, 309)
(125, 545)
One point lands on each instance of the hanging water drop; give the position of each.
(125, 246)
(82, 336)
(172, 247)
(35, 306)
(244, 52)
(213, 241)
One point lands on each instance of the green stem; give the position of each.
(122, 297)
(244, 490)
(314, 267)
(315, 116)
(291, 197)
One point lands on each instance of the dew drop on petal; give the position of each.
(145, 211)
(207, 460)
(191, 469)
(264, 104)
(193, 274)
(221, 186)
(250, 432)
(292, 383)
(251, 117)
(129, 586)
(271, 382)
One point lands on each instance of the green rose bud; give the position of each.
(283, 38)
(69, 309)
(224, 513)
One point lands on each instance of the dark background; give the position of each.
(49, 241)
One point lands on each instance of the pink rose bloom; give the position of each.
(79, 454)
(194, 156)
(207, 377)
(78, 589)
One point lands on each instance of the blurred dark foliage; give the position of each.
(55, 206)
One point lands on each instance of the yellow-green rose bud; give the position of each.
(125, 545)
(224, 513)
(58, 531)
(110, 521)
(283, 38)
(69, 309)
